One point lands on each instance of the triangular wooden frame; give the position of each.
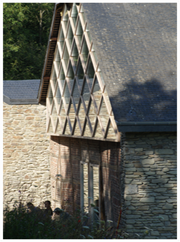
(95, 113)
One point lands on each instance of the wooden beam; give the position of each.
(53, 39)
(46, 77)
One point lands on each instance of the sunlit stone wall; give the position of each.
(26, 168)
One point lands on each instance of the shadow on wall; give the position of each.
(150, 183)
(145, 101)
(69, 191)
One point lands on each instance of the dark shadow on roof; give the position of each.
(145, 102)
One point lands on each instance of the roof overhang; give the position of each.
(11, 101)
(147, 126)
(45, 78)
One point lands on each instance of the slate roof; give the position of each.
(136, 45)
(21, 91)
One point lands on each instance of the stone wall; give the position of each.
(25, 154)
(150, 170)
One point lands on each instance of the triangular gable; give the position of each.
(77, 101)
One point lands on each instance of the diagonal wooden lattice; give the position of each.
(77, 101)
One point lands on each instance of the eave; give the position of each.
(147, 126)
(50, 53)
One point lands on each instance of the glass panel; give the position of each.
(50, 130)
(62, 77)
(70, 85)
(59, 127)
(66, 95)
(61, 40)
(54, 78)
(80, 72)
(76, 95)
(111, 134)
(104, 115)
(86, 94)
(90, 69)
(70, 73)
(57, 60)
(98, 133)
(75, 55)
(85, 51)
(82, 14)
(77, 131)
(66, 56)
(65, 17)
(87, 132)
(62, 110)
(67, 131)
(70, 35)
(74, 13)
(58, 95)
(79, 32)
(54, 114)
(81, 115)
(92, 114)
(50, 94)
(62, 114)
(72, 114)
(97, 93)
(63, 119)
(80, 75)
(90, 82)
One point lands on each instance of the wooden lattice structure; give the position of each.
(77, 101)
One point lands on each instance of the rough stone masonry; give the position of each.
(26, 168)
(150, 175)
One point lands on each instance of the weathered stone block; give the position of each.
(127, 181)
(147, 200)
(143, 208)
(159, 180)
(160, 189)
(164, 152)
(165, 169)
(128, 226)
(150, 173)
(164, 217)
(130, 189)
(154, 233)
(138, 149)
(129, 216)
(136, 182)
(131, 169)
(172, 172)
(128, 197)
(148, 161)
(172, 200)
(149, 152)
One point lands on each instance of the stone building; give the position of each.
(26, 170)
(109, 87)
